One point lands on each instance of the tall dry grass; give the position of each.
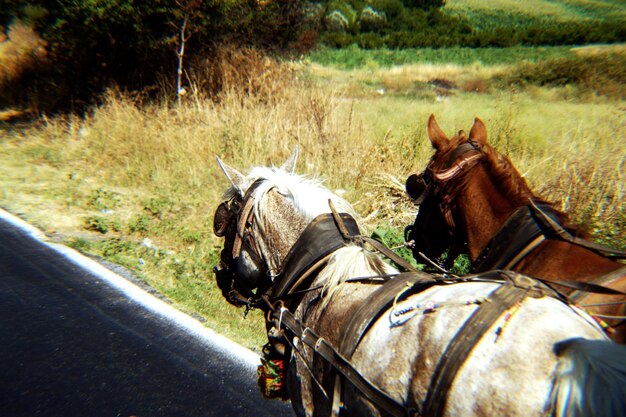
(137, 183)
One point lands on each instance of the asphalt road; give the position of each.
(72, 344)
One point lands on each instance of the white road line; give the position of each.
(134, 292)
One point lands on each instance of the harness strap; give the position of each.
(591, 287)
(398, 260)
(377, 303)
(458, 167)
(340, 363)
(460, 347)
(244, 218)
(568, 237)
(516, 238)
(526, 229)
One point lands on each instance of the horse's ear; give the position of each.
(290, 163)
(234, 176)
(436, 135)
(478, 132)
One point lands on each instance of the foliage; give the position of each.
(393, 239)
(601, 73)
(422, 23)
(101, 224)
(94, 45)
(424, 4)
(353, 57)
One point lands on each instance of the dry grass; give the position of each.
(148, 171)
(18, 49)
(409, 79)
(588, 50)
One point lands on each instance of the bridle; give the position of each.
(431, 183)
(234, 220)
(437, 182)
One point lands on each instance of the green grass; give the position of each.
(516, 12)
(354, 57)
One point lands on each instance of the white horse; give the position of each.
(539, 357)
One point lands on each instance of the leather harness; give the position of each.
(518, 236)
(524, 231)
(319, 240)
(303, 262)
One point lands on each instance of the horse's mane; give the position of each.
(515, 188)
(506, 177)
(350, 262)
(308, 195)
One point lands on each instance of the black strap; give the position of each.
(592, 287)
(398, 260)
(585, 286)
(459, 348)
(520, 229)
(568, 237)
(378, 302)
(348, 236)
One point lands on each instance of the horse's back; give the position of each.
(510, 370)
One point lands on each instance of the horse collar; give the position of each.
(318, 241)
(518, 236)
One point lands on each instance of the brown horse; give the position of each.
(472, 198)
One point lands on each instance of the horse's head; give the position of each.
(465, 178)
(261, 217)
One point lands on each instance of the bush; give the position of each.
(601, 73)
(424, 4)
(371, 20)
(336, 21)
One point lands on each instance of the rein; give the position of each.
(339, 362)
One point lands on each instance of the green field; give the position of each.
(355, 57)
(511, 12)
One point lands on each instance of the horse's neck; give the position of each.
(483, 210)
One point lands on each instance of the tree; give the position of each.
(424, 4)
(95, 44)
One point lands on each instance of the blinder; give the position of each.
(239, 273)
(223, 215)
(418, 186)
